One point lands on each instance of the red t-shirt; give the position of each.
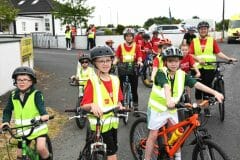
(138, 39)
(187, 63)
(128, 48)
(88, 92)
(155, 42)
(216, 48)
(146, 46)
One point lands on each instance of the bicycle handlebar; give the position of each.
(34, 123)
(75, 82)
(221, 62)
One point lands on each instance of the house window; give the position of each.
(47, 24)
(36, 26)
(23, 26)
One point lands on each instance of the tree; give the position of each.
(219, 25)
(7, 14)
(76, 13)
(195, 17)
(160, 20)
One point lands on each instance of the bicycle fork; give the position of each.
(98, 145)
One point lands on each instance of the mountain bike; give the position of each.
(95, 148)
(218, 83)
(204, 148)
(81, 121)
(29, 152)
(146, 70)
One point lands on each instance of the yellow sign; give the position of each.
(26, 49)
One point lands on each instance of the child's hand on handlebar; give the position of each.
(219, 97)
(96, 110)
(4, 124)
(45, 117)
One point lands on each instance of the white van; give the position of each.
(171, 28)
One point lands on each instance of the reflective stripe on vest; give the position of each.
(128, 56)
(102, 98)
(68, 34)
(24, 114)
(157, 100)
(160, 62)
(91, 35)
(206, 54)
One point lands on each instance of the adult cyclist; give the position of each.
(205, 49)
(189, 36)
(138, 38)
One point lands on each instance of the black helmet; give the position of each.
(24, 70)
(203, 24)
(172, 52)
(146, 36)
(101, 51)
(84, 56)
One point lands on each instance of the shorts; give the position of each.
(110, 138)
(156, 120)
(19, 145)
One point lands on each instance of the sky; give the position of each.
(136, 12)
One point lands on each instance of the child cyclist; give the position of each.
(27, 103)
(84, 71)
(166, 92)
(103, 93)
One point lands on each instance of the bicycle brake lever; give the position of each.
(74, 117)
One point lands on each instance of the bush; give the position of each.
(108, 32)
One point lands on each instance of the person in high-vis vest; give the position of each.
(166, 92)
(103, 93)
(91, 35)
(128, 54)
(205, 49)
(84, 71)
(68, 36)
(27, 103)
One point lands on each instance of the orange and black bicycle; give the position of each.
(204, 148)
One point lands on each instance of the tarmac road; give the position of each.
(61, 64)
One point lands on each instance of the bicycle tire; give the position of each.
(96, 155)
(212, 149)
(81, 122)
(127, 101)
(146, 76)
(49, 146)
(219, 86)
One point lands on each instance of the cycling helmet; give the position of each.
(191, 28)
(24, 70)
(101, 51)
(146, 36)
(155, 32)
(128, 31)
(203, 24)
(83, 56)
(172, 52)
(141, 30)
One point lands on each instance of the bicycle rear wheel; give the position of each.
(96, 155)
(219, 86)
(127, 101)
(209, 151)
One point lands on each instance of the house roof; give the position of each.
(32, 6)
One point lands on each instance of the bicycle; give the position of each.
(95, 148)
(28, 152)
(204, 148)
(146, 70)
(81, 121)
(218, 84)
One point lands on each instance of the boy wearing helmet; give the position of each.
(27, 103)
(146, 46)
(102, 93)
(205, 49)
(127, 55)
(155, 41)
(189, 36)
(138, 38)
(166, 92)
(84, 71)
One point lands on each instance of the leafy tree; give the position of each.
(7, 14)
(160, 20)
(219, 25)
(76, 13)
(195, 17)
(120, 29)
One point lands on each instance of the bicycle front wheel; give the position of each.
(49, 147)
(209, 151)
(98, 156)
(220, 88)
(127, 101)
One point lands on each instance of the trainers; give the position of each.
(207, 112)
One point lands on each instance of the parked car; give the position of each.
(171, 28)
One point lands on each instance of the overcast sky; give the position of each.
(130, 12)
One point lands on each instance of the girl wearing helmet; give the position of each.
(27, 103)
(156, 40)
(102, 92)
(146, 46)
(127, 55)
(166, 93)
(138, 38)
(205, 49)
